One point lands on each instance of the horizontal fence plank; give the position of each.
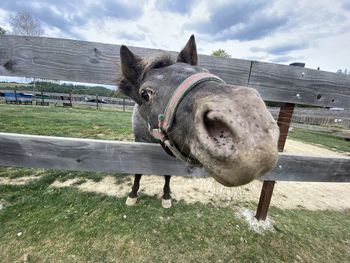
(126, 157)
(88, 155)
(310, 169)
(91, 62)
(300, 85)
(72, 60)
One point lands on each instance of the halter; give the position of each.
(165, 120)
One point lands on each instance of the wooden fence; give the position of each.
(46, 98)
(19, 150)
(322, 117)
(82, 61)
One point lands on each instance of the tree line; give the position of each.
(62, 88)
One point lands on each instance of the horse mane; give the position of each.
(156, 61)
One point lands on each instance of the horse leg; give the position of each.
(132, 197)
(166, 199)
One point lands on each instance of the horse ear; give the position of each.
(130, 65)
(189, 53)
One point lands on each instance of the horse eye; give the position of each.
(146, 95)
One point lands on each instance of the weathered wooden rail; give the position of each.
(81, 61)
(34, 151)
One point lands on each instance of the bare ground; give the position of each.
(312, 196)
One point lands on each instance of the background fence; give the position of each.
(324, 117)
(68, 99)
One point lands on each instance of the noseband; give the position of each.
(166, 119)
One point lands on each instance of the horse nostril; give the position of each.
(219, 135)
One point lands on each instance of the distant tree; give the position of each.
(2, 31)
(220, 53)
(48, 86)
(345, 71)
(23, 23)
(117, 94)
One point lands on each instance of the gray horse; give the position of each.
(198, 118)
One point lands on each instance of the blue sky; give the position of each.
(314, 32)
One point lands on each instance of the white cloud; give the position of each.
(316, 33)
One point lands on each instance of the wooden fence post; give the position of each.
(70, 99)
(15, 93)
(283, 122)
(284, 119)
(96, 101)
(42, 98)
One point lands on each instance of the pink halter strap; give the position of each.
(165, 120)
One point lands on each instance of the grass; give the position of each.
(108, 124)
(70, 226)
(66, 122)
(328, 141)
(6, 85)
(65, 225)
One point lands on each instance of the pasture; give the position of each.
(43, 223)
(12, 85)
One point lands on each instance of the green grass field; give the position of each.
(321, 138)
(40, 223)
(6, 85)
(66, 122)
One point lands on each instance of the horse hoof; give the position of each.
(131, 201)
(166, 203)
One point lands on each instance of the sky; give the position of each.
(314, 32)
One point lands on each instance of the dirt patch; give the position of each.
(19, 180)
(2, 204)
(293, 146)
(108, 185)
(291, 195)
(260, 227)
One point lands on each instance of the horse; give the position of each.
(198, 118)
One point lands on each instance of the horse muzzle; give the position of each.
(236, 136)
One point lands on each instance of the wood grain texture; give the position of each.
(91, 62)
(300, 85)
(88, 155)
(310, 169)
(125, 157)
(265, 200)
